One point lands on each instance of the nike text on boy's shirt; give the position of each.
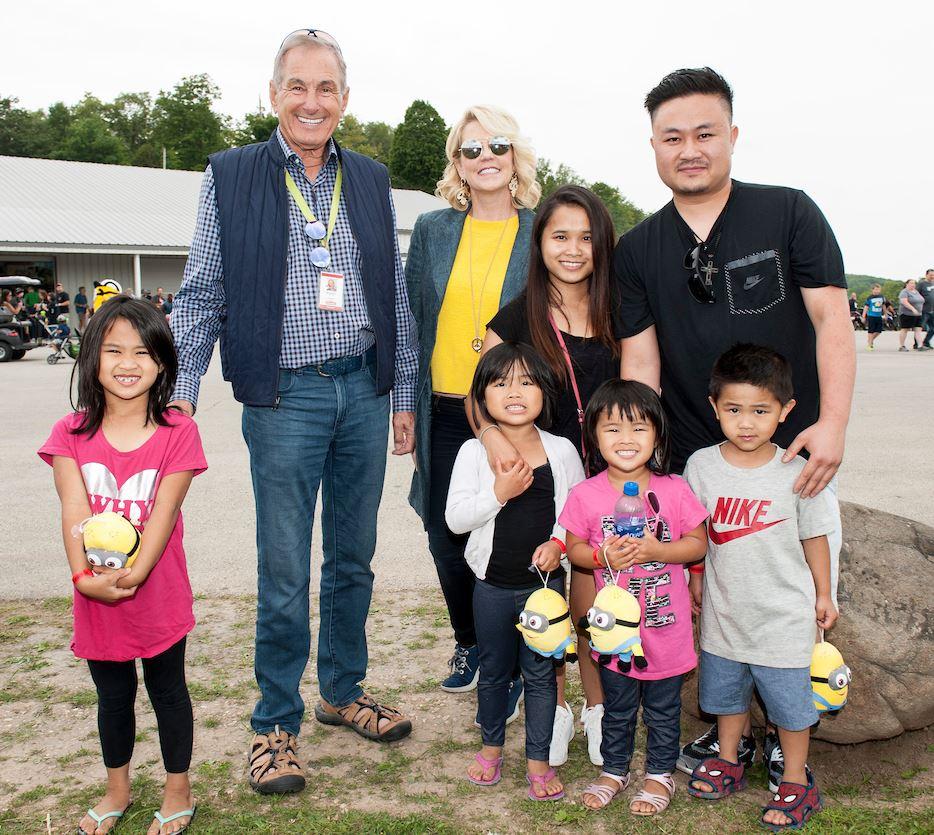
(749, 513)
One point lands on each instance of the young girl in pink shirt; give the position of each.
(626, 434)
(122, 451)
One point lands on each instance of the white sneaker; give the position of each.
(561, 735)
(592, 720)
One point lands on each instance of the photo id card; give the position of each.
(331, 291)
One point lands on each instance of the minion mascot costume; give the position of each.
(104, 291)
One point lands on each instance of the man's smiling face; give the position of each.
(308, 99)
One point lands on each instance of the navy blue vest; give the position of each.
(253, 212)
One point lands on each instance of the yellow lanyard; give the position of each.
(306, 209)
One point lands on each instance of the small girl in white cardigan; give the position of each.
(511, 512)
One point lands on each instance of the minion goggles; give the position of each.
(539, 623)
(605, 621)
(836, 679)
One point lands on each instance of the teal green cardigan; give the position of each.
(427, 269)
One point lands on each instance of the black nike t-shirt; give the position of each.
(769, 243)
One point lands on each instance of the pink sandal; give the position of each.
(496, 764)
(541, 780)
(605, 794)
(658, 802)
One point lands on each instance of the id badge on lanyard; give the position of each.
(331, 292)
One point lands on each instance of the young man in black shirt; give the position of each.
(727, 262)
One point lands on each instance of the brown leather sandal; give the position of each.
(274, 764)
(367, 717)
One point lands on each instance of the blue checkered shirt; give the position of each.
(309, 335)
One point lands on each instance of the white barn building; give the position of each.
(79, 222)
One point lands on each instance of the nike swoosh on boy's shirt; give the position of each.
(751, 282)
(722, 537)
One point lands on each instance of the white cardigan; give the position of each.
(472, 505)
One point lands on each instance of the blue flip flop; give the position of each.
(99, 819)
(190, 813)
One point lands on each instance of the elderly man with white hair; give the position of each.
(295, 266)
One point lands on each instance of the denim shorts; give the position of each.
(726, 687)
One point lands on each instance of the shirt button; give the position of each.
(337, 336)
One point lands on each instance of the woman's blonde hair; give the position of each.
(499, 123)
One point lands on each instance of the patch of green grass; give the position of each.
(442, 747)
(211, 722)
(57, 605)
(32, 657)
(392, 769)
(429, 685)
(143, 736)
(908, 774)
(20, 620)
(80, 698)
(215, 769)
(74, 756)
(37, 793)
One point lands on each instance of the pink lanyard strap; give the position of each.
(577, 394)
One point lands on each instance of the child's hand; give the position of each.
(826, 611)
(639, 550)
(696, 588)
(547, 556)
(509, 482)
(611, 552)
(104, 586)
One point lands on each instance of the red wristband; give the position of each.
(596, 558)
(697, 568)
(77, 576)
(561, 546)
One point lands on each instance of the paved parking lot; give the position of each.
(889, 465)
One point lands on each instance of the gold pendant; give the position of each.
(476, 344)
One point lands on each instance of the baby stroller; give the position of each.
(64, 342)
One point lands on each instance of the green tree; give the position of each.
(417, 160)
(255, 127)
(130, 116)
(379, 138)
(625, 215)
(90, 139)
(186, 125)
(552, 179)
(350, 134)
(23, 133)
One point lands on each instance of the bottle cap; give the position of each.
(631, 488)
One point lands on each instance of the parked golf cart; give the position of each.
(15, 338)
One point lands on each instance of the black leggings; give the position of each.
(164, 675)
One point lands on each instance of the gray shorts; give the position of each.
(726, 688)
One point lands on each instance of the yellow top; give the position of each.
(481, 261)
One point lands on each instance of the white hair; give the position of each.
(314, 38)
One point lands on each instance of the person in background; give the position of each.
(61, 303)
(168, 304)
(464, 264)
(81, 307)
(926, 289)
(874, 315)
(910, 304)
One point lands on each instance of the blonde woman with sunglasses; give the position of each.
(463, 265)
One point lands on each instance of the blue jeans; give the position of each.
(330, 431)
(661, 713)
(496, 612)
(927, 322)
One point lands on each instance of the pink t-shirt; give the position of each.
(661, 589)
(160, 613)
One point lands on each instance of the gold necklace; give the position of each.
(477, 343)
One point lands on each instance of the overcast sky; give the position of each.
(835, 98)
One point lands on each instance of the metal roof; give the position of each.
(60, 205)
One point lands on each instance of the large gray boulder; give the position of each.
(885, 631)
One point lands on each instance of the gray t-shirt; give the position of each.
(926, 289)
(759, 596)
(914, 298)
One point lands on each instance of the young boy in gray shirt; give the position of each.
(766, 587)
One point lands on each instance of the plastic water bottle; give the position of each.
(629, 513)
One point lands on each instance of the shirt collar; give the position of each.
(294, 158)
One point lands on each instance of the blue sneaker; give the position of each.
(465, 670)
(512, 704)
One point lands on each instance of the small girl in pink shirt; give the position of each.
(122, 451)
(626, 431)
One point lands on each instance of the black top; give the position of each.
(772, 242)
(592, 361)
(521, 526)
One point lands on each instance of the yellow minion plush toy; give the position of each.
(104, 291)
(613, 624)
(830, 678)
(545, 624)
(110, 540)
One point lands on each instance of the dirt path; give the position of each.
(50, 764)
